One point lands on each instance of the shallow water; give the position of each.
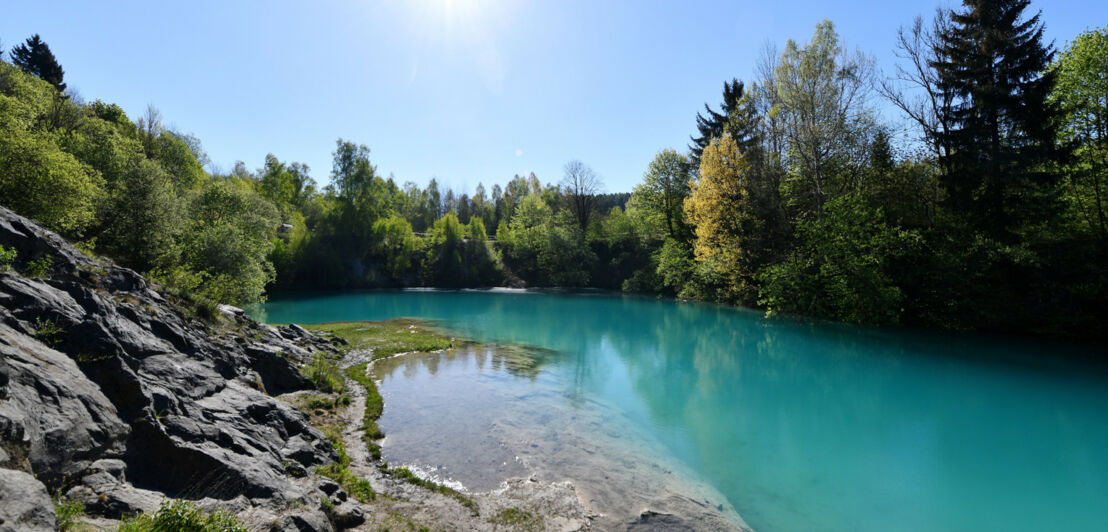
(800, 426)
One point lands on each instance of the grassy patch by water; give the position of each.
(340, 472)
(374, 407)
(406, 475)
(517, 519)
(386, 338)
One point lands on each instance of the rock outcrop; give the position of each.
(115, 393)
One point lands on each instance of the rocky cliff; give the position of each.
(114, 393)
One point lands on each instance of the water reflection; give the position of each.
(806, 425)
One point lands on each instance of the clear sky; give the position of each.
(465, 91)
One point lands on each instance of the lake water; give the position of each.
(798, 426)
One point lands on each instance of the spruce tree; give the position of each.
(35, 57)
(1003, 127)
(736, 116)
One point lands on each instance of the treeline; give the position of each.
(980, 206)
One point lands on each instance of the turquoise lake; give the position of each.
(802, 426)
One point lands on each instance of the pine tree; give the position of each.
(35, 57)
(736, 116)
(1003, 127)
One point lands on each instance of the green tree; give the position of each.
(842, 269)
(821, 101)
(34, 57)
(1081, 91)
(1002, 127)
(664, 189)
(43, 182)
(395, 243)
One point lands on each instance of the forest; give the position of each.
(964, 190)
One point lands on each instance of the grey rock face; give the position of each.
(24, 504)
(54, 417)
(113, 392)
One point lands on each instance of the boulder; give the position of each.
(24, 504)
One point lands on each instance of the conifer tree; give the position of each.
(35, 57)
(1003, 128)
(736, 116)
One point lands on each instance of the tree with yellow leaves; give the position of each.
(720, 209)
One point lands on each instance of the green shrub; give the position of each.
(181, 516)
(40, 267)
(7, 257)
(69, 514)
(325, 374)
(48, 331)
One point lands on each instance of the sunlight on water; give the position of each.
(800, 426)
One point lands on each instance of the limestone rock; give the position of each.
(24, 504)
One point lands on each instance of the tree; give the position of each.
(34, 57)
(1082, 93)
(352, 172)
(821, 97)
(43, 182)
(714, 124)
(719, 209)
(664, 188)
(921, 47)
(1002, 126)
(581, 185)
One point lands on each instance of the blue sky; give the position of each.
(465, 91)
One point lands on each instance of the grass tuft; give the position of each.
(181, 516)
(340, 472)
(406, 475)
(517, 519)
(325, 374)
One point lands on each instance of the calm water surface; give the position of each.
(804, 426)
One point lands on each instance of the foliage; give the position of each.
(69, 514)
(374, 407)
(325, 374)
(7, 257)
(41, 180)
(718, 207)
(48, 331)
(181, 516)
(841, 269)
(1002, 129)
(1081, 73)
(664, 188)
(34, 57)
(821, 103)
(340, 472)
(39, 267)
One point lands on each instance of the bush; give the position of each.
(69, 514)
(325, 374)
(7, 257)
(181, 516)
(40, 267)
